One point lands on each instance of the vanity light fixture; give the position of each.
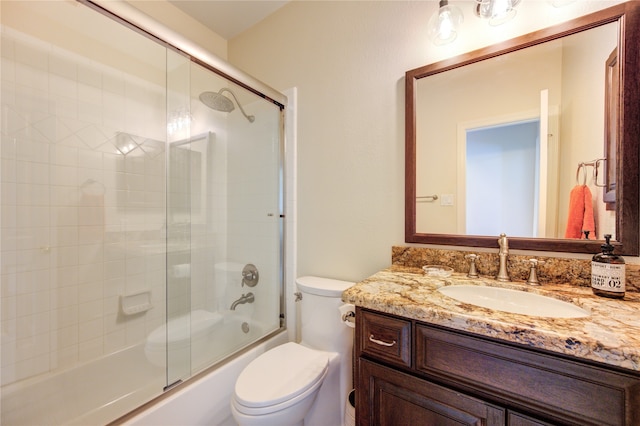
(444, 23)
(497, 12)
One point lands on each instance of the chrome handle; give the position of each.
(380, 342)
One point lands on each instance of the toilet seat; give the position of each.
(280, 378)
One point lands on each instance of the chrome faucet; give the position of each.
(245, 298)
(503, 254)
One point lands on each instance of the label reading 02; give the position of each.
(607, 276)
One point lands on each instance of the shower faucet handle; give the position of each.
(250, 275)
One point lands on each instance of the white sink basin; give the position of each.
(514, 301)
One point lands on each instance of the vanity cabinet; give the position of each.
(413, 373)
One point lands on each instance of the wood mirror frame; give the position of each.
(628, 117)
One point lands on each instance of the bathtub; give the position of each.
(205, 399)
(105, 389)
(90, 394)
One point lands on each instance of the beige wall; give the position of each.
(176, 20)
(348, 59)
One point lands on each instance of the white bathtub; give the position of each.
(206, 400)
(103, 390)
(90, 394)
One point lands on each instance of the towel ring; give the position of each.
(581, 166)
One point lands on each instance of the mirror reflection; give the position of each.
(516, 143)
(567, 118)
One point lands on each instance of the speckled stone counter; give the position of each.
(610, 334)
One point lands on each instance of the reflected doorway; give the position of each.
(507, 156)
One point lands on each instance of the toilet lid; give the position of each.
(280, 374)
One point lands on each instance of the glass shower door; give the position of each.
(226, 168)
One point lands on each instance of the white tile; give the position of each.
(31, 367)
(66, 337)
(62, 65)
(32, 195)
(9, 195)
(63, 175)
(65, 357)
(90, 292)
(90, 75)
(90, 215)
(64, 236)
(90, 234)
(64, 155)
(28, 54)
(33, 216)
(62, 86)
(90, 349)
(114, 287)
(9, 309)
(115, 341)
(32, 78)
(90, 273)
(7, 70)
(90, 112)
(90, 330)
(64, 317)
(114, 269)
(64, 256)
(65, 297)
(33, 326)
(64, 216)
(89, 312)
(90, 159)
(64, 276)
(33, 303)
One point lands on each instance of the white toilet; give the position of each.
(307, 382)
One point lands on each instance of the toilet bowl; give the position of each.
(306, 382)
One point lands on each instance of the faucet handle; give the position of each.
(533, 274)
(473, 273)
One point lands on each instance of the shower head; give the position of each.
(219, 102)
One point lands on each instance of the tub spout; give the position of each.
(245, 298)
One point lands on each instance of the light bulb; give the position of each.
(443, 24)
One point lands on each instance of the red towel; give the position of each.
(580, 213)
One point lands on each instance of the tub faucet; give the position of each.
(503, 254)
(245, 298)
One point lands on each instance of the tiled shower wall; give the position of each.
(83, 205)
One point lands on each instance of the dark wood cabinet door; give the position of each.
(387, 397)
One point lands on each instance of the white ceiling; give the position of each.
(228, 18)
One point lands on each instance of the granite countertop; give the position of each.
(609, 335)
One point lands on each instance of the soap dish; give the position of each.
(437, 271)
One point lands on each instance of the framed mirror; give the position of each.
(510, 137)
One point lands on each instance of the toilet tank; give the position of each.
(321, 325)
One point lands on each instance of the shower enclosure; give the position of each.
(141, 216)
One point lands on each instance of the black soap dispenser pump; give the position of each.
(608, 272)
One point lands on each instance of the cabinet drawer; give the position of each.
(385, 338)
(559, 388)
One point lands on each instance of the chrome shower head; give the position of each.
(219, 102)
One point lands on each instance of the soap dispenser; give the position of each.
(608, 272)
